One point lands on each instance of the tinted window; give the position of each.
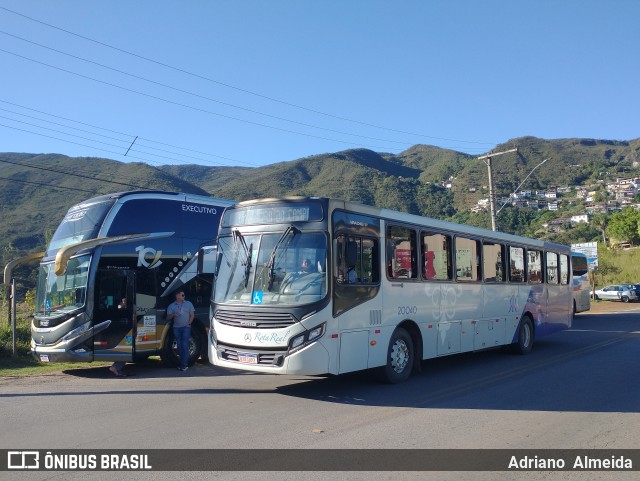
(81, 222)
(147, 215)
(564, 269)
(436, 253)
(401, 253)
(493, 262)
(534, 267)
(579, 265)
(467, 259)
(553, 276)
(516, 264)
(357, 260)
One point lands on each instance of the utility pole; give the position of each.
(492, 199)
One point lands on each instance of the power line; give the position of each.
(272, 99)
(77, 143)
(203, 96)
(92, 140)
(198, 109)
(48, 185)
(47, 169)
(120, 133)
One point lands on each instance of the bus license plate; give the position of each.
(246, 358)
(44, 357)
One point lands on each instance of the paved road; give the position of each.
(577, 389)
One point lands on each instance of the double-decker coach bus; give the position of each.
(581, 283)
(385, 290)
(112, 268)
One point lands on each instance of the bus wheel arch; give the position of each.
(404, 345)
(169, 349)
(526, 334)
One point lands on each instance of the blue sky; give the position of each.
(257, 82)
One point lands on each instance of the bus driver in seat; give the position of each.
(306, 266)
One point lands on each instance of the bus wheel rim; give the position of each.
(526, 335)
(399, 356)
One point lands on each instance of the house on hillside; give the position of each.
(576, 219)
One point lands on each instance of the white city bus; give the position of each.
(581, 284)
(385, 290)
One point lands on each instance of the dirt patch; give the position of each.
(612, 306)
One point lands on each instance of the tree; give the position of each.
(623, 226)
(600, 221)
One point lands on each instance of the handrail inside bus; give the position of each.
(64, 254)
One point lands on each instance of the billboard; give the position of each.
(590, 249)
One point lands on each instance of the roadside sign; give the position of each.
(590, 249)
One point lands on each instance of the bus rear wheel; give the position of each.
(524, 343)
(399, 358)
(169, 353)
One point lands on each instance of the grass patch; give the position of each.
(22, 365)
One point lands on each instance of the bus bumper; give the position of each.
(312, 360)
(70, 347)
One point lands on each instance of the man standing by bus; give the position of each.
(182, 313)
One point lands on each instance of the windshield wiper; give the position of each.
(248, 251)
(272, 257)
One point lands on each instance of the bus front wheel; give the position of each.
(524, 344)
(399, 358)
(169, 353)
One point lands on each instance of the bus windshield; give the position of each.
(285, 268)
(82, 222)
(61, 294)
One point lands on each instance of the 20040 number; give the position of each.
(404, 310)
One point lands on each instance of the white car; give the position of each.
(616, 293)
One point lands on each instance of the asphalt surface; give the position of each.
(577, 389)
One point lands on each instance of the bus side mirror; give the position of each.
(218, 264)
(207, 260)
(200, 260)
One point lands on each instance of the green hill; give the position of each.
(38, 189)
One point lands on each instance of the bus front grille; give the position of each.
(254, 320)
(263, 358)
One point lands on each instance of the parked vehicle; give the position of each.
(622, 293)
(635, 287)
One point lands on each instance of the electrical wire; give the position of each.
(204, 97)
(48, 185)
(272, 99)
(191, 107)
(131, 136)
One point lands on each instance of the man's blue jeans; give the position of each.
(182, 335)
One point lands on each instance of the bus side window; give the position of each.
(493, 262)
(402, 251)
(564, 269)
(436, 254)
(534, 267)
(357, 261)
(468, 259)
(552, 268)
(516, 264)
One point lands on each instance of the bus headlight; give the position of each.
(297, 341)
(316, 332)
(76, 332)
(306, 338)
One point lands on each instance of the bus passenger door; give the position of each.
(114, 308)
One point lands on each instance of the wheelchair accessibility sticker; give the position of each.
(257, 297)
